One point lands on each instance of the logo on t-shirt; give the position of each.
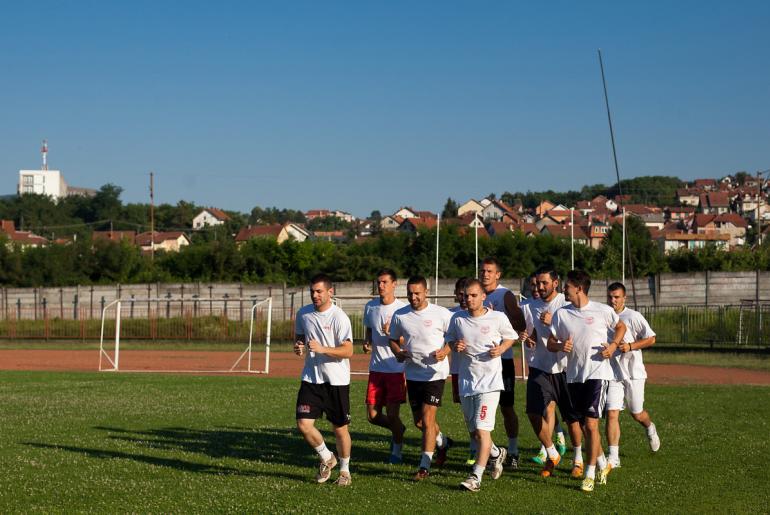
(328, 327)
(427, 323)
(484, 329)
(589, 320)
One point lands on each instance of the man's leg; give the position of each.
(510, 419)
(375, 416)
(635, 400)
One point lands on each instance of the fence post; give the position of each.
(44, 302)
(61, 303)
(131, 306)
(75, 307)
(18, 309)
(35, 297)
(283, 301)
(168, 304)
(708, 276)
(686, 325)
(102, 302)
(91, 304)
(291, 308)
(240, 302)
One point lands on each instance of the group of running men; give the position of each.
(583, 356)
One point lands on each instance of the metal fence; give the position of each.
(745, 326)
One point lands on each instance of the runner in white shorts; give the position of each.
(631, 373)
(480, 336)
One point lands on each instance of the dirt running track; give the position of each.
(284, 364)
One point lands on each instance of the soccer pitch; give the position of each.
(86, 442)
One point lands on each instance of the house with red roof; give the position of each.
(210, 217)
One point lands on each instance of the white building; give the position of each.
(43, 182)
(210, 216)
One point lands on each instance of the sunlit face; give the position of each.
(474, 297)
(616, 299)
(546, 286)
(533, 287)
(489, 276)
(321, 295)
(417, 295)
(571, 292)
(385, 286)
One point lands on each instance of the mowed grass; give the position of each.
(80, 442)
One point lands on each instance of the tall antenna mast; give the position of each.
(617, 175)
(44, 152)
(152, 217)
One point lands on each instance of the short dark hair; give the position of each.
(579, 278)
(616, 286)
(322, 278)
(473, 282)
(417, 279)
(460, 284)
(545, 269)
(491, 261)
(387, 271)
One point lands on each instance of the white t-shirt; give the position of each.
(496, 300)
(542, 358)
(330, 328)
(454, 360)
(478, 371)
(376, 315)
(423, 333)
(637, 328)
(588, 326)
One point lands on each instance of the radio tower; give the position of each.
(44, 152)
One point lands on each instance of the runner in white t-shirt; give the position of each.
(547, 382)
(639, 335)
(421, 327)
(502, 299)
(480, 336)
(580, 329)
(323, 335)
(387, 387)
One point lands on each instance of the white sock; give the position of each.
(651, 430)
(578, 454)
(478, 471)
(397, 449)
(474, 446)
(601, 461)
(591, 471)
(494, 452)
(552, 452)
(614, 452)
(560, 437)
(425, 460)
(513, 446)
(345, 465)
(542, 451)
(324, 453)
(440, 440)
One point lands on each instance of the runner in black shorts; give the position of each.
(424, 392)
(316, 400)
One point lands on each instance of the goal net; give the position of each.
(186, 335)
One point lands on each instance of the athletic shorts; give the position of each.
(615, 392)
(588, 398)
(315, 400)
(544, 388)
(509, 382)
(424, 392)
(456, 388)
(479, 411)
(635, 395)
(386, 388)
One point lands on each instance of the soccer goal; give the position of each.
(186, 335)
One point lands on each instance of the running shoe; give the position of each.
(550, 465)
(512, 462)
(496, 464)
(588, 485)
(577, 470)
(472, 484)
(421, 474)
(442, 452)
(654, 439)
(561, 444)
(604, 473)
(344, 479)
(325, 469)
(540, 458)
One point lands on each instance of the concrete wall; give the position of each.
(702, 288)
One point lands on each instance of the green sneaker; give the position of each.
(539, 458)
(471, 459)
(561, 444)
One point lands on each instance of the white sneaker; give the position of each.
(471, 484)
(654, 439)
(614, 462)
(496, 465)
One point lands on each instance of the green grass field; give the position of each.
(81, 442)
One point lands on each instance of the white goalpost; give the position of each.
(198, 320)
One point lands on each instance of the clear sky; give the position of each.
(373, 105)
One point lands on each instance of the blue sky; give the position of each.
(373, 105)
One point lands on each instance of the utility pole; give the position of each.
(152, 217)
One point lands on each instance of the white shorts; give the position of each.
(629, 390)
(479, 410)
(615, 394)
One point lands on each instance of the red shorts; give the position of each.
(386, 388)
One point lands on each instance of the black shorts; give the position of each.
(315, 400)
(509, 383)
(544, 388)
(424, 392)
(589, 398)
